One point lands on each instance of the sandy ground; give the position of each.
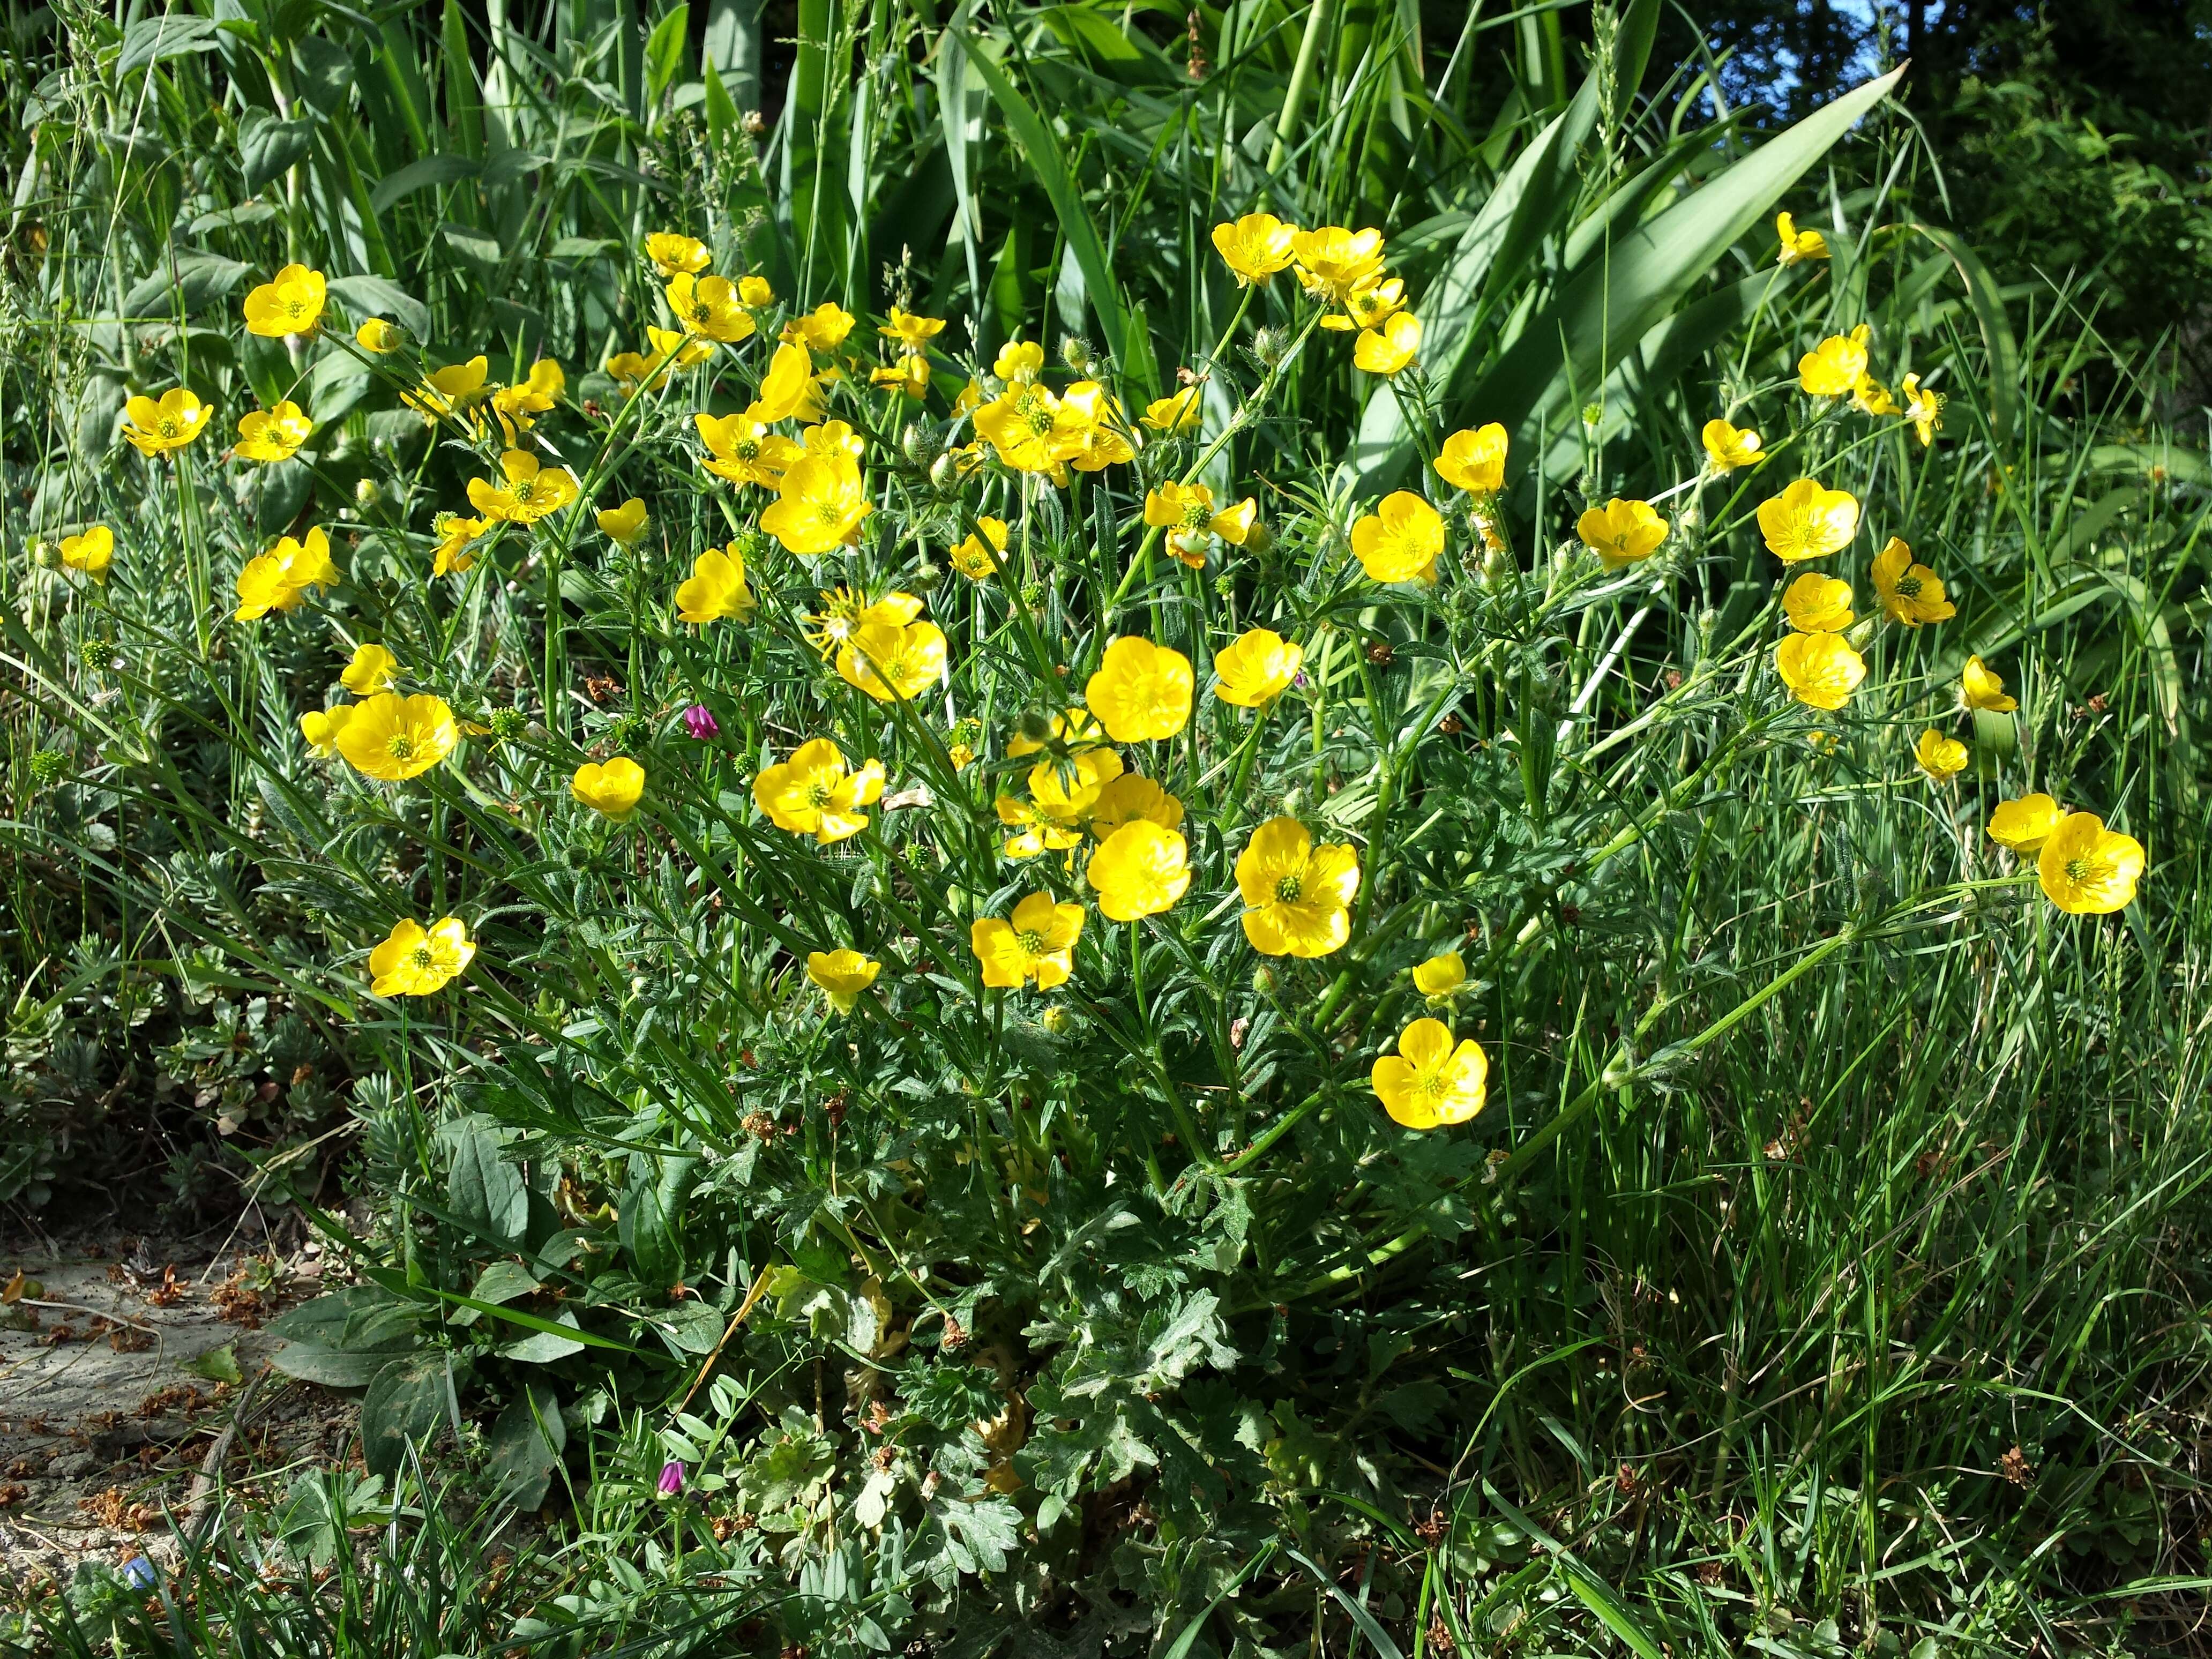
(114, 1353)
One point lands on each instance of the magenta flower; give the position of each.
(671, 1478)
(700, 722)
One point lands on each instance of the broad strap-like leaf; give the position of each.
(1575, 342)
(1043, 154)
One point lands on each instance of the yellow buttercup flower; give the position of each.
(677, 255)
(822, 330)
(817, 792)
(821, 501)
(1870, 397)
(532, 490)
(709, 306)
(1474, 461)
(613, 790)
(1923, 409)
(1430, 1082)
(833, 438)
(1031, 430)
(1036, 943)
(1100, 436)
(676, 349)
(1132, 798)
(1186, 513)
(1368, 305)
(913, 333)
(154, 427)
(1255, 246)
(1178, 412)
(1821, 670)
(908, 377)
(624, 524)
(1797, 244)
(1401, 541)
(1140, 870)
(893, 663)
(1018, 362)
(291, 304)
(1818, 604)
(454, 533)
(1911, 593)
(1807, 521)
(1831, 369)
(1981, 687)
(1297, 896)
(1033, 829)
(1728, 447)
(2087, 869)
(379, 336)
(321, 726)
(1621, 532)
(744, 451)
(756, 292)
(91, 550)
(395, 737)
(843, 974)
(452, 392)
(1393, 347)
(1065, 791)
(279, 579)
(1941, 757)
(274, 434)
(972, 559)
(369, 670)
(414, 961)
(716, 587)
(1257, 668)
(1440, 976)
(1334, 263)
(518, 406)
(844, 609)
(2026, 823)
(635, 372)
(1141, 690)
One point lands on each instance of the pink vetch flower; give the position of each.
(671, 1478)
(699, 721)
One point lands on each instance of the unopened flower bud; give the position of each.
(1267, 346)
(367, 492)
(1259, 540)
(1075, 352)
(945, 471)
(1263, 980)
(1035, 727)
(919, 444)
(44, 554)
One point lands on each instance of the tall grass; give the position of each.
(1824, 1271)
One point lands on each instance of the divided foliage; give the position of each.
(1822, 1268)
